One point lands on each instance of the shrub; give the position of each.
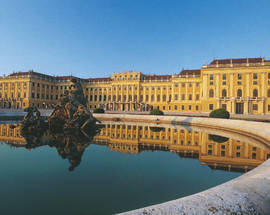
(156, 112)
(156, 129)
(217, 138)
(98, 110)
(220, 113)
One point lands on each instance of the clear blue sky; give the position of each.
(94, 38)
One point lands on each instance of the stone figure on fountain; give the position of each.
(71, 112)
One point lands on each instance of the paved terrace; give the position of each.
(46, 112)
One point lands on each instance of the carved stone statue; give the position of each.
(33, 123)
(71, 112)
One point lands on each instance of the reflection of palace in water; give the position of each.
(229, 154)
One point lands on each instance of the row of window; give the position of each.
(147, 97)
(43, 96)
(239, 93)
(239, 76)
(19, 95)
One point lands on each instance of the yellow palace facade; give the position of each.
(241, 86)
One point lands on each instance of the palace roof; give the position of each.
(157, 77)
(98, 79)
(239, 61)
(190, 72)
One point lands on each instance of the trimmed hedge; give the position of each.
(98, 110)
(156, 129)
(156, 112)
(217, 138)
(220, 113)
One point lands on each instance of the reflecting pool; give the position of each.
(126, 166)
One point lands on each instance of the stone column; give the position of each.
(233, 106)
(231, 86)
(204, 88)
(247, 85)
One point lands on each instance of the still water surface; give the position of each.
(127, 167)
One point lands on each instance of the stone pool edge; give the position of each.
(247, 194)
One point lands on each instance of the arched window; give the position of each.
(211, 93)
(239, 93)
(224, 93)
(268, 93)
(255, 93)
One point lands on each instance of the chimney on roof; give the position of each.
(217, 63)
(247, 62)
(231, 63)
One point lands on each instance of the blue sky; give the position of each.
(95, 38)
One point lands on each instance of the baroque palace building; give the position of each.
(241, 86)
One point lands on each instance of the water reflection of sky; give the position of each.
(126, 167)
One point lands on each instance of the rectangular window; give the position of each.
(190, 84)
(255, 106)
(183, 107)
(255, 76)
(211, 77)
(223, 153)
(268, 75)
(175, 97)
(268, 107)
(238, 154)
(183, 96)
(190, 97)
(33, 96)
(183, 84)
(224, 106)
(189, 107)
(239, 76)
(223, 82)
(175, 107)
(224, 77)
(197, 97)
(197, 107)
(211, 107)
